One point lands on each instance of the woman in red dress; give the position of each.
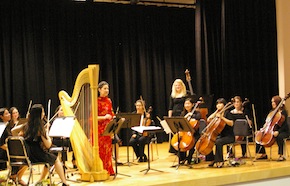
(105, 115)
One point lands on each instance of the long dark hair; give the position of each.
(2, 110)
(35, 126)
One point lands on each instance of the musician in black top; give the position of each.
(240, 112)
(139, 140)
(227, 134)
(193, 119)
(280, 133)
(176, 101)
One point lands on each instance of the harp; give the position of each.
(86, 121)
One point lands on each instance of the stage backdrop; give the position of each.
(229, 46)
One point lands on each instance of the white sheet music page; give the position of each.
(2, 128)
(165, 126)
(62, 127)
(140, 129)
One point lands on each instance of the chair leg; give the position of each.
(8, 176)
(271, 153)
(248, 149)
(157, 149)
(133, 156)
(151, 147)
(285, 148)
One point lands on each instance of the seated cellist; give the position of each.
(193, 119)
(280, 133)
(227, 134)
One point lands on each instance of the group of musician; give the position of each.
(222, 121)
(219, 129)
(35, 134)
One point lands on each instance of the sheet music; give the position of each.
(165, 126)
(62, 127)
(140, 129)
(2, 128)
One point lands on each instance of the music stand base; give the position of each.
(146, 170)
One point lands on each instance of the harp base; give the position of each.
(95, 176)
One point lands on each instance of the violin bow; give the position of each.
(29, 107)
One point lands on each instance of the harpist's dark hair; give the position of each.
(102, 83)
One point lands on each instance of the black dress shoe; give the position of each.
(220, 165)
(182, 162)
(145, 158)
(263, 157)
(120, 163)
(140, 159)
(211, 164)
(281, 158)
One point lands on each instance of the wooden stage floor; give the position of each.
(199, 174)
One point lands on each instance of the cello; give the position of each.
(209, 134)
(265, 136)
(186, 139)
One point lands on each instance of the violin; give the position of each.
(186, 139)
(147, 121)
(209, 134)
(265, 136)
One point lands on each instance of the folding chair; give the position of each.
(18, 157)
(202, 126)
(241, 128)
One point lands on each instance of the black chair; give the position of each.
(202, 126)
(241, 128)
(18, 157)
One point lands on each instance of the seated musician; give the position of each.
(38, 142)
(5, 117)
(280, 132)
(138, 140)
(240, 112)
(193, 118)
(227, 134)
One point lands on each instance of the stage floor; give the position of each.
(199, 174)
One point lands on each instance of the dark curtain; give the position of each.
(141, 50)
(238, 45)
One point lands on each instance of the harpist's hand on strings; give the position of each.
(108, 116)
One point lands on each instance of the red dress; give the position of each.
(105, 142)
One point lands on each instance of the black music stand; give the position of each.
(148, 129)
(131, 119)
(178, 124)
(111, 129)
(62, 128)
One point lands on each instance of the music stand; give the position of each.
(62, 128)
(178, 124)
(111, 129)
(131, 119)
(148, 129)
